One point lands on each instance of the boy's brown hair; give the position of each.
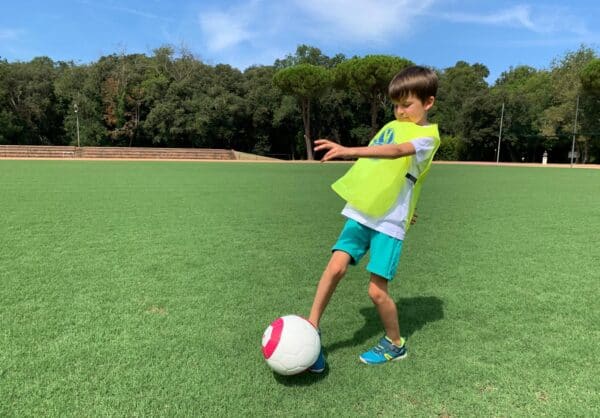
(419, 81)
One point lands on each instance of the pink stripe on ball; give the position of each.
(271, 345)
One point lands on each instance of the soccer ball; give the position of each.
(290, 345)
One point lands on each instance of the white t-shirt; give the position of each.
(394, 221)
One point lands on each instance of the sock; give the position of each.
(402, 341)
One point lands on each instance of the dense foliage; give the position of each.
(173, 99)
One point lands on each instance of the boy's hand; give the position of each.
(414, 219)
(334, 150)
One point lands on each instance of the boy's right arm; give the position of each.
(335, 150)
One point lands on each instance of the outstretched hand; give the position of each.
(334, 150)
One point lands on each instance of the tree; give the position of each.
(524, 91)
(479, 123)
(370, 76)
(180, 93)
(306, 82)
(590, 80)
(458, 84)
(123, 96)
(565, 87)
(271, 120)
(29, 104)
(306, 54)
(590, 77)
(10, 128)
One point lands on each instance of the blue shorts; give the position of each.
(356, 239)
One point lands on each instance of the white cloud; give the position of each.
(129, 10)
(223, 30)
(241, 30)
(265, 23)
(10, 34)
(524, 16)
(364, 20)
(137, 12)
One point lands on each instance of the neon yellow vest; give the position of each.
(372, 185)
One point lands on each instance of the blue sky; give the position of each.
(499, 34)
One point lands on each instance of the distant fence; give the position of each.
(42, 151)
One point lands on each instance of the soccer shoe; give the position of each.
(383, 352)
(319, 365)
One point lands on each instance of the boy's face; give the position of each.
(412, 109)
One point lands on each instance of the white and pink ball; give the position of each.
(290, 345)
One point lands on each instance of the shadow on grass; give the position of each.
(414, 314)
(302, 379)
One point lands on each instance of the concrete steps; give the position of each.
(41, 151)
(38, 151)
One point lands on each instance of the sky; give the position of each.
(437, 33)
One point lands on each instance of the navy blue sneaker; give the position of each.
(383, 352)
(319, 365)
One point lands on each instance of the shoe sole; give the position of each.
(377, 364)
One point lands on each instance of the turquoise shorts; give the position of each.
(356, 239)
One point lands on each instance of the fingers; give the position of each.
(333, 149)
(321, 142)
(329, 156)
(326, 156)
(333, 153)
(324, 144)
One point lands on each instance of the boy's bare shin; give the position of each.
(333, 273)
(386, 307)
(389, 317)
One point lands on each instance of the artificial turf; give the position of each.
(143, 289)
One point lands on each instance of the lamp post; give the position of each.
(574, 131)
(76, 108)
(500, 135)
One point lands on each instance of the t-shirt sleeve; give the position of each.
(424, 148)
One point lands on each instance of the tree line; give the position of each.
(173, 99)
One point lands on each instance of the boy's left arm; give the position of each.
(335, 150)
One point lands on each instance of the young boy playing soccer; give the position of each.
(381, 190)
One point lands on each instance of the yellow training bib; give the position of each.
(372, 185)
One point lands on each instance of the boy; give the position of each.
(381, 189)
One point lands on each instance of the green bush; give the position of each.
(450, 149)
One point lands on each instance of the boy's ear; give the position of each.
(429, 103)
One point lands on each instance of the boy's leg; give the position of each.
(378, 292)
(333, 273)
(391, 346)
(350, 247)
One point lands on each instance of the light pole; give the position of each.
(76, 108)
(500, 135)
(574, 131)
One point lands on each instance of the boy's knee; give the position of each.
(337, 270)
(377, 295)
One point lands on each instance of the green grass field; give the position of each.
(143, 289)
